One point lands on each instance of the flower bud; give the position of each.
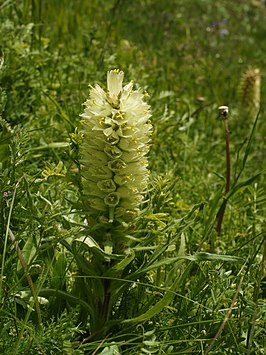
(250, 90)
(223, 110)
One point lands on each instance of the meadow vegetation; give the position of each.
(178, 285)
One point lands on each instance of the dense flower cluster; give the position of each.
(116, 133)
(250, 90)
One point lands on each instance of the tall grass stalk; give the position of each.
(224, 114)
(256, 295)
(28, 276)
(6, 241)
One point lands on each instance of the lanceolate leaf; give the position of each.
(88, 243)
(28, 251)
(120, 266)
(158, 307)
(241, 186)
(70, 298)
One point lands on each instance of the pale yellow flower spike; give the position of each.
(116, 130)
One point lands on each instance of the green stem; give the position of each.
(105, 306)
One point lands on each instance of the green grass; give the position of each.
(187, 289)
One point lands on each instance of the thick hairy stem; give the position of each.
(105, 308)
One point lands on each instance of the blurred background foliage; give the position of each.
(189, 56)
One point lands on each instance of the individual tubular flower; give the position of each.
(116, 135)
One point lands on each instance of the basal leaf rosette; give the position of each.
(116, 135)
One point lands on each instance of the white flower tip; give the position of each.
(223, 110)
(114, 82)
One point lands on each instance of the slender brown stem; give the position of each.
(220, 214)
(228, 165)
(226, 318)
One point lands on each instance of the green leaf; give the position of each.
(182, 247)
(110, 350)
(51, 146)
(120, 266)
(213, 257)
(88, 243)
(28, 252)
(88, 270)
(158, 307)
(46, 292)
(241, 186)
(59, 270)
(85, 265)
(62, 113)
